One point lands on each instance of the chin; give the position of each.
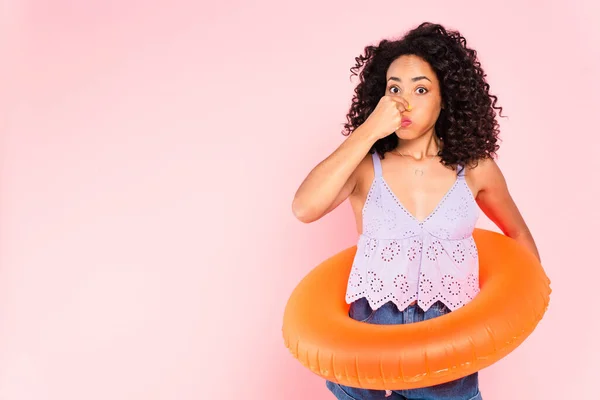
(408, 134)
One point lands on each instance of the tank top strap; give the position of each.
(461, 170)
(376, 164)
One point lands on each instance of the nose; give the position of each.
(407, 99)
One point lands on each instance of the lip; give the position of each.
(405, 122)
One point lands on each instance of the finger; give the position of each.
(403, 101)
(401, 107)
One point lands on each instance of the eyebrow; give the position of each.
(416, 78)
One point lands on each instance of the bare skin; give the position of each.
(412, 92)
(418, 145)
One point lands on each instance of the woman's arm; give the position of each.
(496, 202)
(333, 179)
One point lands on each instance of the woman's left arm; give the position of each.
(498, 205)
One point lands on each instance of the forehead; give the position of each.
(406, 67)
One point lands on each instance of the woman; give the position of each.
(417, 165)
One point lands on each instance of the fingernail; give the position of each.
(409, 107)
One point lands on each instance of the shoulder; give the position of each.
(364, 173)
(366, 167)
(484, 174)
(483, 166)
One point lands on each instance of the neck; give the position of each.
(426, 146)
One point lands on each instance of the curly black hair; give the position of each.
(466, 126)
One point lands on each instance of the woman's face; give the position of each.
(412, 78)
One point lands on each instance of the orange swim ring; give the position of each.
(514, 295)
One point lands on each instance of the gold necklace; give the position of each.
(408, 155)
(418, 171)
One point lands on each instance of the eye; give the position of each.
(424, 90)
(394, 87)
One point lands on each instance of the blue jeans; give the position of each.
(466, 388)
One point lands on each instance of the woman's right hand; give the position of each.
(387, 116)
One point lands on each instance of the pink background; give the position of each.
(150, 152)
